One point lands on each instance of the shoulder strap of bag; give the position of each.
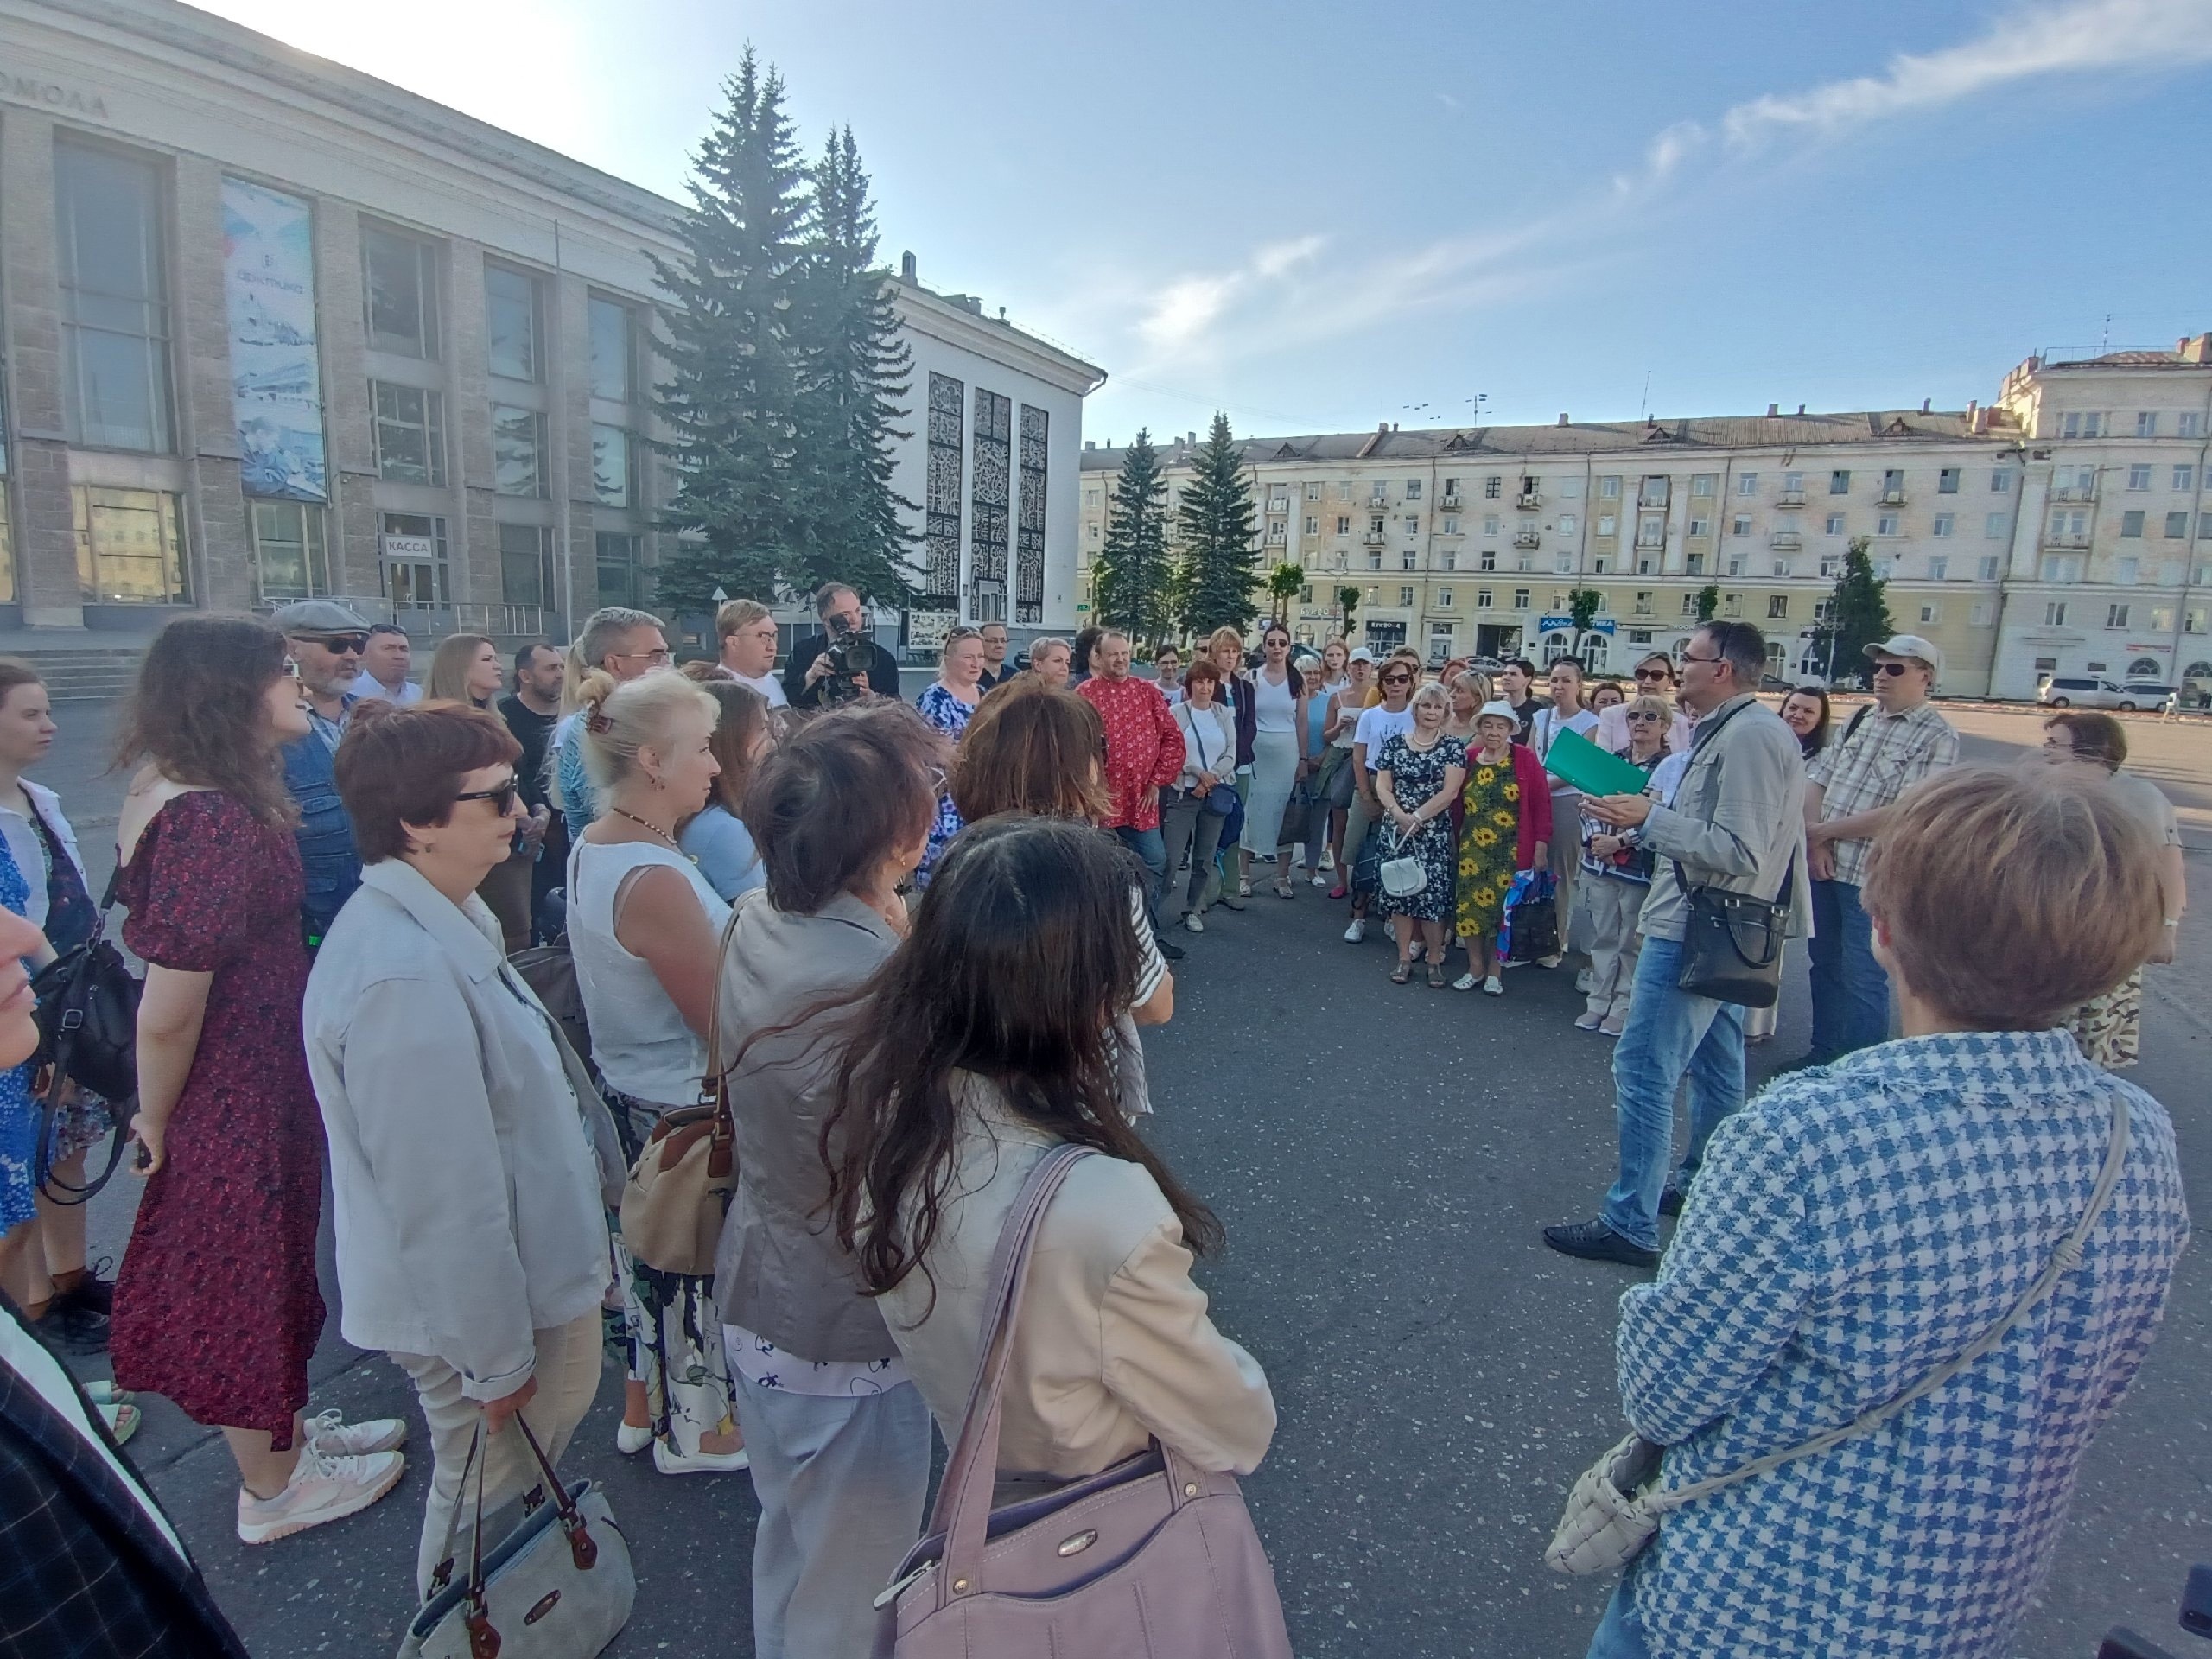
(964, 1495)
(714, 1082)
(1205, 765)
(2063, 1260)
(1858, 719)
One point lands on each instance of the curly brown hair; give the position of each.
(196, 710)
(1032, 748)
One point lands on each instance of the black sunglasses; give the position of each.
(1398, 679)
(356, 643)
(1653, 674)
(1893, 668)
(502, 797)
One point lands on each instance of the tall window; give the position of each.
(517, 450)
(290, 558)
(1029, 529)
(412, 552)
(990, 498)
(613, 368)
(115, 314)
(940, 509)
(7, 548)
(620, 577)
(129, 546)
(526, 565)
(410, 433)
(510, 327)
(399, 292)
(614, 476)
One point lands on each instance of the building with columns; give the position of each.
(272, 328)
(2055, 532)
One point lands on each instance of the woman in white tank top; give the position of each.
(645, 931)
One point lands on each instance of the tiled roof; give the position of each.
(1718, 434)
(2128, 360)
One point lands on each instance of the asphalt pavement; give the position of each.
(1382, 1158)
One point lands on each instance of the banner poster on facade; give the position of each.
(276, 385)
(926, 630)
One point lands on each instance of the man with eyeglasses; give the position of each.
(1853, 785)
(326, 639)
(811, 667)
(627, 645)
(995, 642)
(1737, 824)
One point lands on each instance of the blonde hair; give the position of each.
(1432, 692)
(2060, 879)
(620, 720)
(1224, 635)
(738, 613)
(449, 666)
(1474, 680)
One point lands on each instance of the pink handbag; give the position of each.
(1150, 1559)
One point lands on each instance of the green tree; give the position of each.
(1347, 604)
(1583, 604)
(1859, 615)
(733, 392)
(1708, 601)
(1217, 531)
(852, 373)
(1130, 576)
(1285, 582)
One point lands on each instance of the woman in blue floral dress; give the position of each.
(18, 1118)
(949, 705)
(1418, 778)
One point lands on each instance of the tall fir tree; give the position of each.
(853, 372)
(1218, 525)
(731, 398)
(1130, 574)
(1859, 615)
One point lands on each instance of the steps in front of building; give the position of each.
(83, 675)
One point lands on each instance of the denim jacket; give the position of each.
(325, 832)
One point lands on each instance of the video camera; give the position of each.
(851, 652)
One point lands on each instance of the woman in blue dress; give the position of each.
(948, 705)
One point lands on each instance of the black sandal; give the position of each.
(1402, 972)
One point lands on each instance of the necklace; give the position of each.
(650, 829)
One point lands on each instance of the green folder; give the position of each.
(1590, 769)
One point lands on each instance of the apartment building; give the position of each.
(1467, 541)
(273, 329)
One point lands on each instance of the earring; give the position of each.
(658, 784)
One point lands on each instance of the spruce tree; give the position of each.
(1859, 615)
(853, 374)
(1130, 575)
(733, 393)
(1217, 530)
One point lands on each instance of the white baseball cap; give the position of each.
(1359, 654)
(1909, 644)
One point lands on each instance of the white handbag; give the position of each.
(1402, 875)
(1615, 1507)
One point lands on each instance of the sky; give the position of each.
(1317, 218)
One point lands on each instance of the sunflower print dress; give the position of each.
(1489, 843)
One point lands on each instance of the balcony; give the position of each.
(1374, 538)
(2074, 538)
(1378, 499)
(1785, 541)
(1527, 538)
(1893, 498)
(1449, 502)
(1790, 498)
(1529, 500)
(1650, 541)
(1276, 538)
(2075, 492)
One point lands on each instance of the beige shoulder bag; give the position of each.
(1614, 1509)
(679, 1190)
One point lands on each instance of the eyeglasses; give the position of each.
(1687, 659)
(1893, 668)
(663, 655)
(502, 797)
(291, 670)
(1657, 673)
(356, 643)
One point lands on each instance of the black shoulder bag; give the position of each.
(88, 1017)
(1731, 942)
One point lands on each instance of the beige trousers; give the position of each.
(568, 1360)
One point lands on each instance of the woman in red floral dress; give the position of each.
(216, 1305)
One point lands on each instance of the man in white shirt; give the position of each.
(385, 664)
(747, 632)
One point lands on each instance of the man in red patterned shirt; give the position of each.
(1144, 753)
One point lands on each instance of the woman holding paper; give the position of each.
(1567, 714)
(1507, 828)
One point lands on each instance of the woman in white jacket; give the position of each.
(1209, 762)
(979, 1046)
(472, 1235)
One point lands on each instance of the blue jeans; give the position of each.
(1669, 1034)
(1619, 1634)
(1148, 846)
(1851, 994)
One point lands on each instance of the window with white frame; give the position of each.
(1568, 524)
(2054, 613)
(2126, 572)
(1704, 483)
(1946, 481)
(1834, 524)
(2115, 616)
(2062, 566)
(1989, 569)
(1886, 524)
(1444, 598)
(2078, 424)
(2146, 424)
(1932, 611)
(1992, 527)
(409, 431)
(2000, 481)
(1412, 489)
(1519, 599)
(1740, 525)
(1982, 614)
(1609, 487)
(2138, 477)
(2189, 423)
(1942, 525)
(1938, 569)
(1405, 595)
(2184, 478)
(1840, 481)
(1493, 487)
(1607, 524)
(2178, 526)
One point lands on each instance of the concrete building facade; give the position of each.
(1467, 541)
(273, 328)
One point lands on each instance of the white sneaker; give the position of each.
(1587, 1021)
(669, 1461)
(1328, 860)
(323, 1488)
(631, 1439)
(1584, 980)
(1357, 931)
(1194, 922)
(1493, 986)
(329, 1431)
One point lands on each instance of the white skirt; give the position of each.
(1274, 772)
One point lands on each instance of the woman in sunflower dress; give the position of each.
(1505, 827)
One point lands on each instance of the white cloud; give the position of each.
(1186, 309)
(1281, 258)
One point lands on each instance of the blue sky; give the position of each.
(1320, 217)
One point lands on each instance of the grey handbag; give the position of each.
(1150, 1559)
(1615, 1508)
(558, 1586)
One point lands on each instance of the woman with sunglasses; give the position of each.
(216, 1305)
(1377, 726)
(1277, 695)
(1341, 721)
(472, 1231)
(1616, 881)
(645, 928)
(1654, 677)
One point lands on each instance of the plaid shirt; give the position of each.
(1873, 765)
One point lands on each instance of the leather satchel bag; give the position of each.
(1150, 1559)
(1615, 1507)
(539, 1594)
(1732, 943)
(679, 1189)
(87, 1020)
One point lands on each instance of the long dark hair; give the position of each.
(1021, 955)
(1816, 739)
(196, 710)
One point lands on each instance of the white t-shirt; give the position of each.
(1377, 726)
(1547, 727)
(1277, 710)
(766, 684)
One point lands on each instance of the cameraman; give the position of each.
(811, 664)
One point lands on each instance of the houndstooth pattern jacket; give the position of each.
(1852, 1228)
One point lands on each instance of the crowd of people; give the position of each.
(921, 943)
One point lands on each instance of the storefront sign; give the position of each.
(275, 384)
(410, 550)
(1565, 624)
(70, 100)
